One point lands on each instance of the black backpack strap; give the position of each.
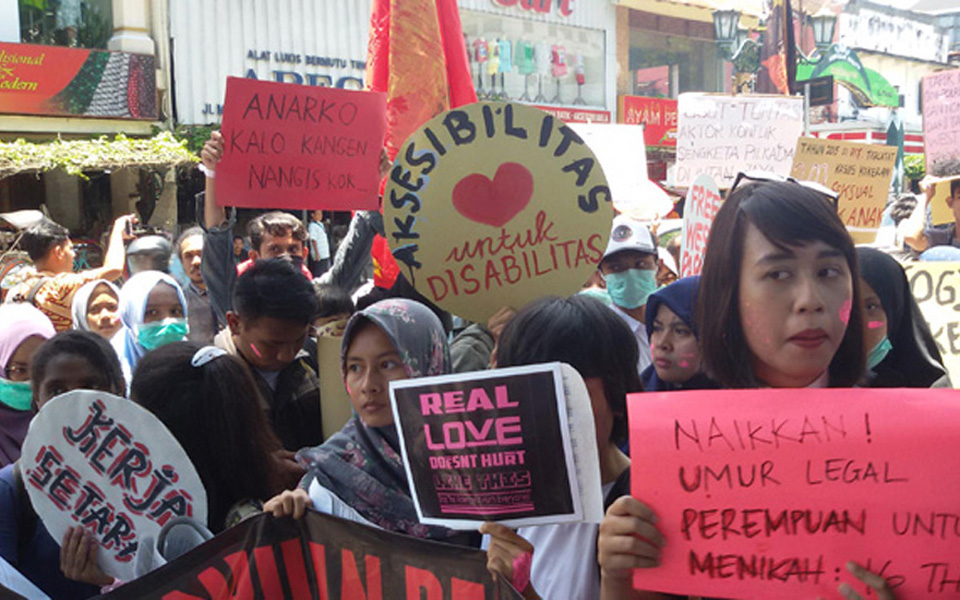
(27, 522)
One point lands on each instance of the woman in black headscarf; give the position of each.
(902, 352)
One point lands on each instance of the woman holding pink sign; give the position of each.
(779, 307)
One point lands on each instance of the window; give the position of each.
(73, 23)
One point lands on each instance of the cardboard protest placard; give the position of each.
(300, 147)
(941, 122)
(722, 135)
(769, 493)
(699, 210)
(940, 212)
(623, 155)
(105, 463)
(496, 204)
(513, 445)
(936, 288)
(860, 173)
(320, 557)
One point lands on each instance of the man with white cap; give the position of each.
(629, 269)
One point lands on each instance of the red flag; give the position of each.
(424, 73)
(778, 55)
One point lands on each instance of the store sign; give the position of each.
(577, 115)
(50, 80)
(658, 115)
(564, 7)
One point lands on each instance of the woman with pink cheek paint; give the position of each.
(901, 351)
(672, 330)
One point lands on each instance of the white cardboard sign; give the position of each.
(107, 464)
(723, 135)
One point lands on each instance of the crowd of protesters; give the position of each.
(784, 301)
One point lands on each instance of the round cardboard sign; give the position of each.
(106, 464)
(496, 204)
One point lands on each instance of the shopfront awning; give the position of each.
(103, 154)
(699, 10)
(869, 87)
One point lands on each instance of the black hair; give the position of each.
(214, 411)
(274, 288)
(83, 344)
(275, 223)
(402, 288)
(238, 237)
(187, 234)
(954, 186)
(38, 240)
(583, 333)
(789, 215)
(334, 300)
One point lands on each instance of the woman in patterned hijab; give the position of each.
(358, 473)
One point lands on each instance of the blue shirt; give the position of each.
(39, 559)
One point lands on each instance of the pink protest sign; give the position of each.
(703, 202)
(300, 147)
(768, 493)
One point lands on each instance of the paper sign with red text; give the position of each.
(104, 463)
(860, 173)
(496, 204)
(513, 445)
(703, 202)
(769, 493)
(300, 147)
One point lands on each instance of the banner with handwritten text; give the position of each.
(496, 204)
(936, 288)
(505, 445)
(722, 135)
(769, 493)
(108, 465)
(300, 147)
(941, 122)
(860, 173)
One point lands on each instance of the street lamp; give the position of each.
(824, 24)
(725, 24)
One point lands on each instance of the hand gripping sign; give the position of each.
(496, 204)
(513, 445)
(106, 464)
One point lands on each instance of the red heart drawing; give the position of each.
(494, 202)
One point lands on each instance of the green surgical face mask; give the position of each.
(879, 353)
(16, 394)
(160, 333)
(631, 288)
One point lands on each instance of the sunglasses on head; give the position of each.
(764, 176)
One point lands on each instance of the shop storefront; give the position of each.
(72, 71)
(302, 41)
(558, 55)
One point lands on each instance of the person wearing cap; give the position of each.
(629, 270)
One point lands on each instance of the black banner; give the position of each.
(319, 557)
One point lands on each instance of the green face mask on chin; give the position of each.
(16, 394)
(879, 352)
(160, 333)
